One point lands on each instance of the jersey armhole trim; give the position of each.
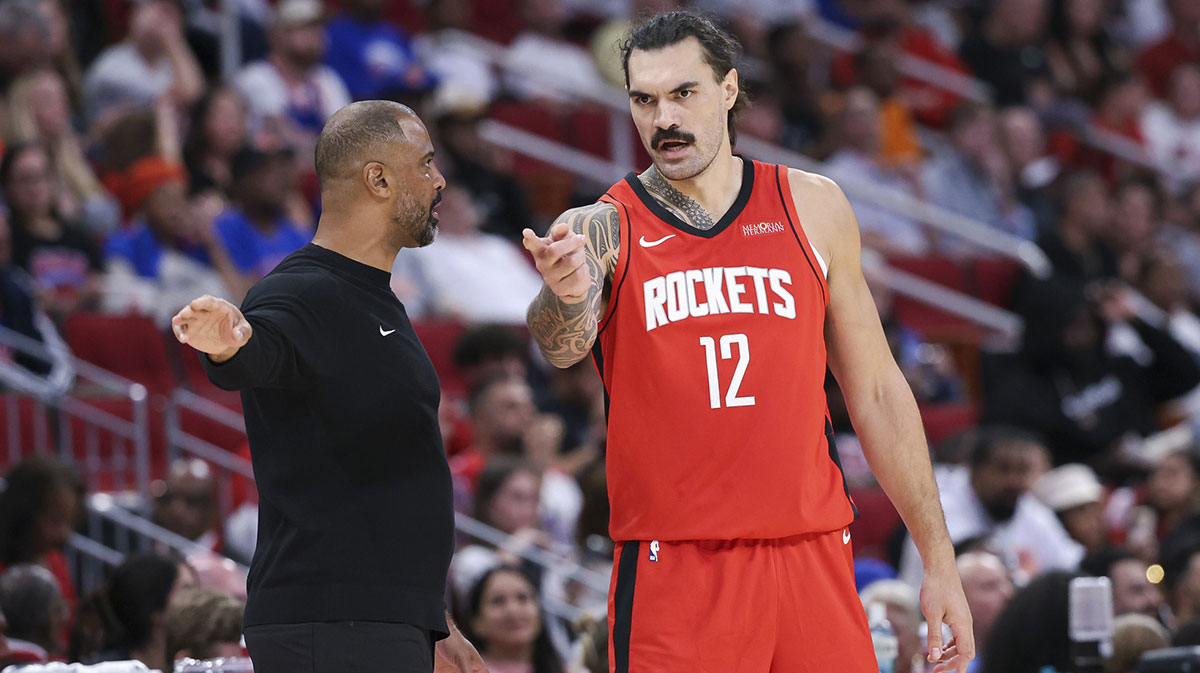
(788, 206)
(621, 268)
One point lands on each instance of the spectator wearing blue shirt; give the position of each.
(374, 58)
(169, 254)
(257, 233)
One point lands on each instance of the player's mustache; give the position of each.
(663, 135)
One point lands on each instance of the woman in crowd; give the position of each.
(217, 131)
(504, 622)
(63, 261)
(38, 510)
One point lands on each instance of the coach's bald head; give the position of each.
(375, 163)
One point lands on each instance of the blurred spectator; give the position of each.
(501, 409)
(169, 255)
(221, 574)
(63, 262)
(124, 618)
(472, 163)
(38, 510)
(39, 111)
(1080, 51)
(464, 73)
(507, 500)
(205, 25)
(26, 38)
(859, 160)
(1134, 225)
(990, 500)
(1005, 50)
(541, 63)
(504, 620)
(37, 614)
(154, 61)
(374, 58)
(1031, 631)
(1074, 494)
(1077, 249)
(1131, 587)
(469, 276)
(1119, 110)
(202, 624)
(1181, 233)
(217, 131)
(1065, 384)
(972, 176)
(1187, 635)
(489, 351)
(291, 92)
(875, 67)
(803, 97)
(1172, 127)
(21, 312)
(904, 613)
(1133, 636)
(185, 503)
(988, 588)
(257, 232)
(572, 397)
(1181, 45)
(1173, 490)
(1035, 170)
(591, 649)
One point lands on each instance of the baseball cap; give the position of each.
(1068, 486)
(298, 12)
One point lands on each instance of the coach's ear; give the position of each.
(376, 180)
(730, 85)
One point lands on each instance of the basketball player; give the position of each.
(356, 519)
(710, 290)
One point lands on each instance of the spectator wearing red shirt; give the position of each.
(1181, 45)
(38, 510)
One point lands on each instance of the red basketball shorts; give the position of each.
(741, 606)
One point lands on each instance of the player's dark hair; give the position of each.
(721, 50)
(544, 658)
(356, 131)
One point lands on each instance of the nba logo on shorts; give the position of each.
(654, 551)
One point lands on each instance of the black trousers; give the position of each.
(340, 647)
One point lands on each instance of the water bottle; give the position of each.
(883, 638)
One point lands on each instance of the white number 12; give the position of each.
(714, 386)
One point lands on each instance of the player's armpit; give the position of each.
(566, 330)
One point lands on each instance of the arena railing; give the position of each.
(84, 414)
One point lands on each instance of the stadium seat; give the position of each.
(931, 322)
(496, 20)
(21, 424)
(130, 346)
(994, 280)
(943, 421)
(877, 520)
(439, 337)
(533, 118)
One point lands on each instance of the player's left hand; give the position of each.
(943, 601)
(456, 654)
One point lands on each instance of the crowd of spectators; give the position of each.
(135, 176)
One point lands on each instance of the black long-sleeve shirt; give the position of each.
(356, 514)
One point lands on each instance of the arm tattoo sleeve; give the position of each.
(566, 331)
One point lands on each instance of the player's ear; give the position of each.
(731, 88)
(376, 180)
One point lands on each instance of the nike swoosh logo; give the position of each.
(383, 333)
(651, 244)
(846, 536)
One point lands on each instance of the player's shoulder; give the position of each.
(814, 186)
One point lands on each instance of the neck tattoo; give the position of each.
(681, 204)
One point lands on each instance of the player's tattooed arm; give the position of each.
(565, 329)
(683, 206)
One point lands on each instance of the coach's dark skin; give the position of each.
(374, 203)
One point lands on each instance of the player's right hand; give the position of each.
(561, 259)
(213, 326)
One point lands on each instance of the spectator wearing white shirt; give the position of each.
(292, 92)
(990, 499)
(154, 61)
(469, 275)
(541, 63)
(1172, 127)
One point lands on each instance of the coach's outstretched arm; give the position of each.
(885, 416)
(576, 259)
(218, 329)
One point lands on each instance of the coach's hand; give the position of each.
(943, 601)
(456, 654)
(561, 259)
(213, 326)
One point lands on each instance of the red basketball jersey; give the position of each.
(712, 352)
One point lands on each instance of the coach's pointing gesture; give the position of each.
(212, 326)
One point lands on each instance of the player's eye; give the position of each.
(643, 100)
(686, 93)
